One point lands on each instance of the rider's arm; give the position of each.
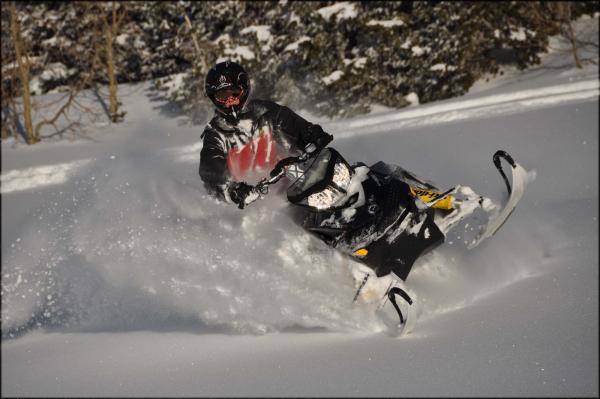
(296, 129)
(213, 165)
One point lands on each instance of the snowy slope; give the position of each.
(143, 285)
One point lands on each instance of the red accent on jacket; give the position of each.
(259, 154)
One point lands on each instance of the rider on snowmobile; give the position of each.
(246, 138)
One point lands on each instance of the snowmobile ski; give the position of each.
(388, 295)
(520, 178)
(396, 309)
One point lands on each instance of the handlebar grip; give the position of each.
(262, 187)
(278, 169)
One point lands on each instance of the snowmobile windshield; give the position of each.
(313, 176)
(324, 183)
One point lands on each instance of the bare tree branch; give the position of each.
(24, 65)
(74, 91)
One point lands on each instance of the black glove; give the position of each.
(238, 192)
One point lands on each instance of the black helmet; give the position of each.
(228, 86)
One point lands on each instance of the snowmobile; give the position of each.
(383, 216)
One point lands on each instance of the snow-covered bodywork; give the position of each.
(384, 216)
(370, 213)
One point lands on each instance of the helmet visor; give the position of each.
(229, 96)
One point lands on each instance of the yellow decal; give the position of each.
(361, 252)
(429, 196)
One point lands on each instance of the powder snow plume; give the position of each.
(135, 243)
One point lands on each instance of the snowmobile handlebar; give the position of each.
(262, 187)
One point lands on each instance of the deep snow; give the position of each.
(113, 247)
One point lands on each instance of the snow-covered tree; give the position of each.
(332, 58)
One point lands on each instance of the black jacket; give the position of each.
(235, 149)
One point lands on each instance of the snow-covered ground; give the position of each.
(120, 276)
